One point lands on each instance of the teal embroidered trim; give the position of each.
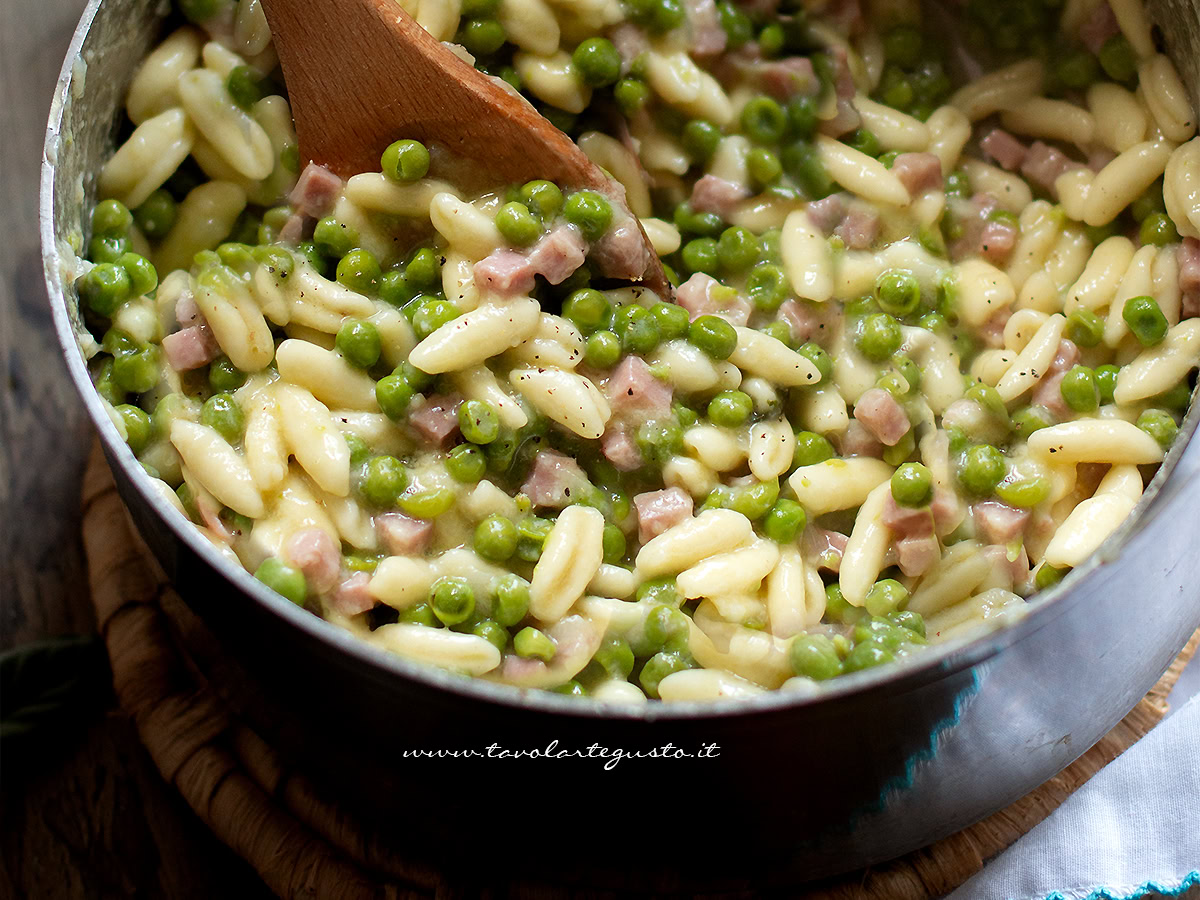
(1191, 880)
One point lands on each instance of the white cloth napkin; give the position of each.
(1133, 830)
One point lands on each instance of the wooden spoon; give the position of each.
(362, 73)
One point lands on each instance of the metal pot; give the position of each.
(871, 767)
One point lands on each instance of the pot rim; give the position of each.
(929, 665)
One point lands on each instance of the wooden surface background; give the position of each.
(91, 818)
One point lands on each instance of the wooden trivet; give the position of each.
(302, 845)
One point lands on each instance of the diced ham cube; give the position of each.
(708, 38)
(505, 272)
(825, 546)
(633, 391)
(352, 596)
(317, 555)
(906, 521)
(561, 251)
(785, 78)
(436, 420)
(804, 320)
(1044, 164)
(844, 121)
(948, 511)
(1188, 257)
(918, 172)
(293, 229)
(880, 414)
(1048, 392)
(630, 41)
(191, 348)
(1099, 157)
(404, 535)
(1099, 27)
(828, 212)
(998, 523)
(917, 555)
(997, 241)
(659, 510)
(621, 253)
(737, 311)
(846, 16)
(859, 228)
(1015, 569)
(716, 195)
(316, 191)
(992, 331)
(621, 450)
(186, 311)
(555, 480)
(858, 441)
(843, 80)
(698, 295)
(1006, 150)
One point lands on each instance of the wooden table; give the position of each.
(92, 818)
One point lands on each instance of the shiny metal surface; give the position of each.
(875, 765)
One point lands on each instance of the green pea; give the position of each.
(334, 238)
(865, 141)
(730, 408)
(1158, 230)
(466, 463)
(781, 331)
(510, 599)
(1078, 69)
(156, 215)
(423, 271)
(614, 544)
(767, 287)
(667, 627)
(1176, 398)
(427, 504)
(814, 656)
(668, 14)
(200, 10)
(763, 120)
(570, 688)
(492, 632)
(898, 292)
(431, 314)
(801, 161)
(237, 256)
(637, 329)
(701, 255)
(587, 310)
(533, 644)
(738, 249)
(309, 252)
(763, 166)
(867, 655)
(478, 421)
(981, 469)
(136, 372)
(517, 224)
(481, 37)
(903, 45)
(1145, 319)
(879, 337)
(603, 350)
(1028, 419)
(838, 608)
(359, 271)
(802, 116)
(811, 448)
(137, 426)
(419, 614)
(756, 500)
(277, 261)
(477, 8)
(359, 451)
(662, 591)
(631, 95)
(222, 413)
(394, 395)
(771, 40)
(912, 485)
(1078, 389)
(244, 87)
(819, 358)
(110, 218)
(1025, 493)
(898, 453)
(542, 198)
(597, 62)
(1160, 425)
(283, 580)
(1118, 59)
(384, 479)
(496, 538)
(359, 343)
(452, 600)
(886, 596)
(702, 223)
(533, 533)
(659, 440)
(1048, 575)
(589, 212)
(659, 666)
(405, 161)
(906, 618)
(882, 631)
(713, 335)
(615, 658)
(1084, 327)
(105, 287)
(672, 320)
(784, 523)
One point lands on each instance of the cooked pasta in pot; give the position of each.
(932, 326)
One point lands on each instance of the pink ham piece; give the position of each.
(697, 296)
(716, 195)
(316, 191)
(997, 240)
(708, 38)
(631, 42)
(659, 510)
(907, 521)
(918, 172)
(846, 16)
(948, 512)
(554, 481)
(505, 272)
(633, 391)
(785, 78)
(621, 450)
(191, 348)
(858, 441)
(1099, 27)
(352, 596)
(403, 535)
(992, 331)
(1188, 257)
(828, 212)
(843, 80)
(1099, 157)
(561, 251)
(804, 320)
(1045, 164)
(186, 311)
(1006, 150)
(845, 121)
(621, 253)
(436, 420)
(916, 544)
(317, 555)
(917, 555)
(825, 546)
(293, 229)
(998, 523)
(1048, 393)
(859, 228)
(881, 415)
(1015, 569)
(555, 256)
